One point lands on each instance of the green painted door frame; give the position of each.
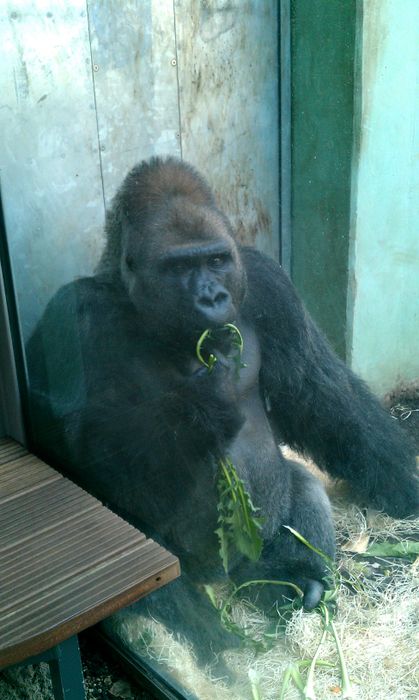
(323, 47)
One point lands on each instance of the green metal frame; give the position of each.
(11, 356)
(323, 47)
(65, 668)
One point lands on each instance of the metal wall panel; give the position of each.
(135, 78)
(50, 167)
(89, 88)
(228, 90)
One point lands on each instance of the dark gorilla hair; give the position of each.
(145, 190)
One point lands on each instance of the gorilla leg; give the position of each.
(185, 609)
(285, 558)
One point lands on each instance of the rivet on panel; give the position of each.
(174, 62)
(95, 67)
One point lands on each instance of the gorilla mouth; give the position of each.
(227, 339)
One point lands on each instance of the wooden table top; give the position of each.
(66, 561)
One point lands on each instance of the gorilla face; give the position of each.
(184, 271)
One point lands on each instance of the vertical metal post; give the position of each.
(66, 671)
(11, 419)
(285, 132)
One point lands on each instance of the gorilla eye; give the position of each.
(130, 263)
(180, 266)
(218, 261)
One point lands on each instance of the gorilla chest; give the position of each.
(254, 450)
(193, 407)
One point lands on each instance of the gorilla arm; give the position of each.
(118, 399)
(318, 405)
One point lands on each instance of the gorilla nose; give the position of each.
(208, 300)
(215, 305)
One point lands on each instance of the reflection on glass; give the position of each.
(166, 359)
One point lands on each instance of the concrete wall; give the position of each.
(383, 301)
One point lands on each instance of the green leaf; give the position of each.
(246, 534)
(308, 544)
(209, 590)
(405, 548)
(224, 546)
(239, 526)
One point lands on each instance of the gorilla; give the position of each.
(119, 396)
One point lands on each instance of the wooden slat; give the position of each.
(65, 546)
(72, 532)
(66, 561)
(48, 571)
(20, 464)
(23, 475)
(82, 592)
(36, 512)
(9, 449)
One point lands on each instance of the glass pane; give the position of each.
(170, 363)
(92, 94)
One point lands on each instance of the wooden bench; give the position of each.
(66, 562)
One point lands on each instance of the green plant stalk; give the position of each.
(254, 684)
(228, 479)
(257, 582)
(291, 673)
(308, 544)
(329, 626)
(212, 359)
(237, 492)
(235, 330)
(237, 341)
(309, 691)
(242, 499)
(347, 690)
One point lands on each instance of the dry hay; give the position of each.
(377, 621)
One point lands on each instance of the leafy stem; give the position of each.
(211, 359)
(239, 525)
(237, 342)
(347, 691)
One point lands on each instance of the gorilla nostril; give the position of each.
(210, 300)
(206, 301)
(221, 298)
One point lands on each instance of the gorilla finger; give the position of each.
(313, 592)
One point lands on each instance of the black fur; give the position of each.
(115, 382)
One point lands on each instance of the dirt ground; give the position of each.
(105, 679)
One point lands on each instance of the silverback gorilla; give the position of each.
(142, 424)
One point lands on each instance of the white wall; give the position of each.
(383, 313)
